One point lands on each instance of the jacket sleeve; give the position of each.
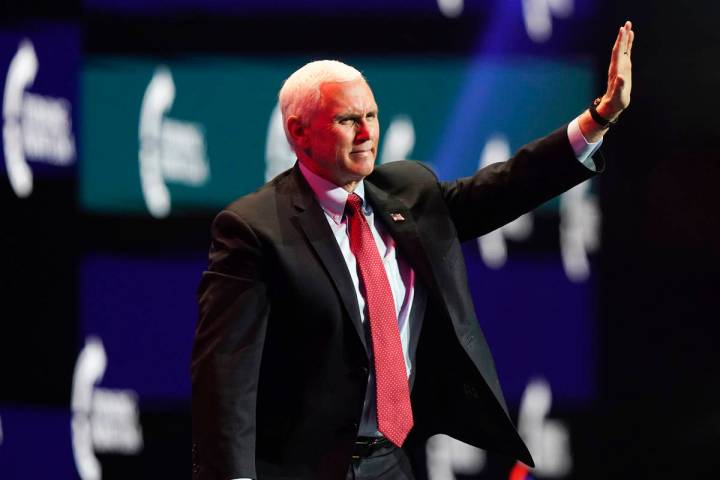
(501, 192)
(229, 338)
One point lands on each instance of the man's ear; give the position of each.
(297, 131)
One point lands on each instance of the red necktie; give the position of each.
(394, 413)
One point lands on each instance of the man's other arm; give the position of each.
(233, 313)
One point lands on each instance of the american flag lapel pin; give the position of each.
(397, 217)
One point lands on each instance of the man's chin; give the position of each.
(364, 172)
(355, 176)
(361, 167)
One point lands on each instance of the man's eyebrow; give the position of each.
(344, 115)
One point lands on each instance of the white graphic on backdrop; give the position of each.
(579, 230)
(447, 456)
(451, 8)
(538, 15)
(493, 248)
(547, 440)
(399, 140)
(35, 127)
(170, 150)
(103, 420)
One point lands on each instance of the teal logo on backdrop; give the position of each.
(171, 138)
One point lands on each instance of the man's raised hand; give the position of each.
(617, 96)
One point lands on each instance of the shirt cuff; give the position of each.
(582, 148)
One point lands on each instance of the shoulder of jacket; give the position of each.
(262, 203)
(404, 169)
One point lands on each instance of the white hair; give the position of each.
(300, 93)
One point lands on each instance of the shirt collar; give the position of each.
(332, 198)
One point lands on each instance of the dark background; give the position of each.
(659, 289)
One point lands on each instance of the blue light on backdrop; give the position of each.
(144, 311)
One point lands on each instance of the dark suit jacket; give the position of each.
(280, 363)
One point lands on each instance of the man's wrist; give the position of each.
(589, 128)
(606, 111)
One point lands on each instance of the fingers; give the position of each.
(624, 38)
(617, 51)
(622, 43)
(627, 34)
(619, 71)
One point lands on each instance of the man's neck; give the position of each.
(347, 186)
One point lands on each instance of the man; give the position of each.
(336, 324)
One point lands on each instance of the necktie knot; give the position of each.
(354, 203)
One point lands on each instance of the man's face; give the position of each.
(342, 135)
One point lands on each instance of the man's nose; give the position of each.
(362, 131)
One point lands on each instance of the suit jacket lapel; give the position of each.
(312, 221)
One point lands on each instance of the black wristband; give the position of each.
(599, 119)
